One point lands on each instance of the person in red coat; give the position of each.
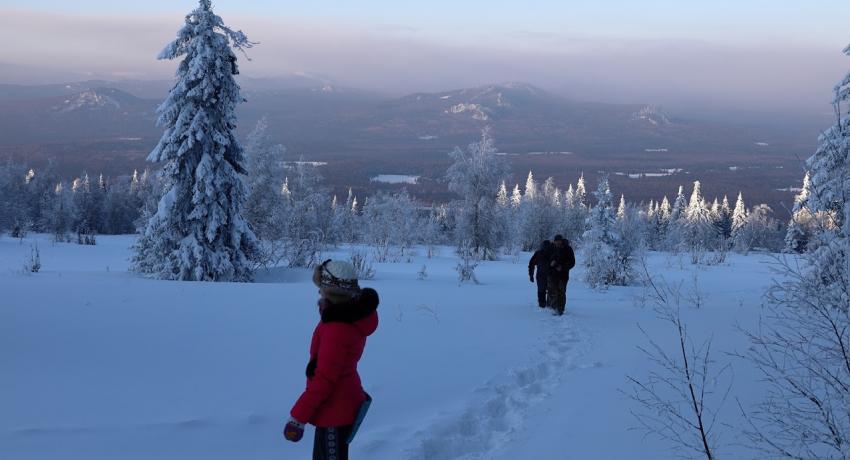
(334, 395)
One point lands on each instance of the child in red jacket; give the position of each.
(334, 394)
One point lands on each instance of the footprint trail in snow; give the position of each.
(497, 410)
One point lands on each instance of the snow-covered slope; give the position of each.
(97, 363)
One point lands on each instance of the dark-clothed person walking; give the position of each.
(563, 259)
(540, 261)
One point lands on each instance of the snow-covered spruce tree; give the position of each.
(631, 230)
(581, 193)
(475, 175)
(541, 214)
(14, 214)
(62, 214)
(676, 231)
(739, 222)
(304, 218)
(762, 231)
(266, 174)
(724, 220)
(86, 201)
(699, 233)
(604, 264)
(506, 220)
(146, 189)
(801, 225)
(344, 225)
(198, 232)
(804, 350)
(120, 209)
(662, 224)
(575, 219)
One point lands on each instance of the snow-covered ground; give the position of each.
(98, 363)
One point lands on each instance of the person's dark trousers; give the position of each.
(552, 292)
(542, 288)
(331, 443)
(558, 294)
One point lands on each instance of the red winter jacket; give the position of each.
(334, 393)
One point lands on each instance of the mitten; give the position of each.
(531, 278)
(293, 431)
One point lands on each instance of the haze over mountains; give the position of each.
(109, 127)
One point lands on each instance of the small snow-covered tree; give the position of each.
(676, 224)
(506, 213)
(540, 214)
(680, 205)
(724, 219)
(266, 174)
(198, 232)
(761, 230)
(662, 223)
(575, 215)
(801, 225)
(530, 187)
(391, 224)
(604, 264)
(581, 193)
(344, 220)
(304, 218)
(699, 233)
(120, 209)
(475, 175)
(14, 213)
(146, 189)
(739, 221)
(62, 214)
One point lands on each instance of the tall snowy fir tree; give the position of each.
(198, 232)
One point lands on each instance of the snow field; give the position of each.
(99, 363)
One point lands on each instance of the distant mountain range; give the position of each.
(111, 126)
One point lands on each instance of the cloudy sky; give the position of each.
(754, 54)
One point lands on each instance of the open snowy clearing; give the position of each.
(98, 363)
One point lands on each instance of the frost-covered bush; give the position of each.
(467, 263)
(362, 264)
(391, 225)
(33, 265)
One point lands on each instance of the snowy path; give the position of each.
(497, 411)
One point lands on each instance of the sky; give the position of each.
(761, 55)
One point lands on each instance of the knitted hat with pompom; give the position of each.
(337, 281)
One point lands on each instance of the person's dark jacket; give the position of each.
(540, 260)
(562, 261)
